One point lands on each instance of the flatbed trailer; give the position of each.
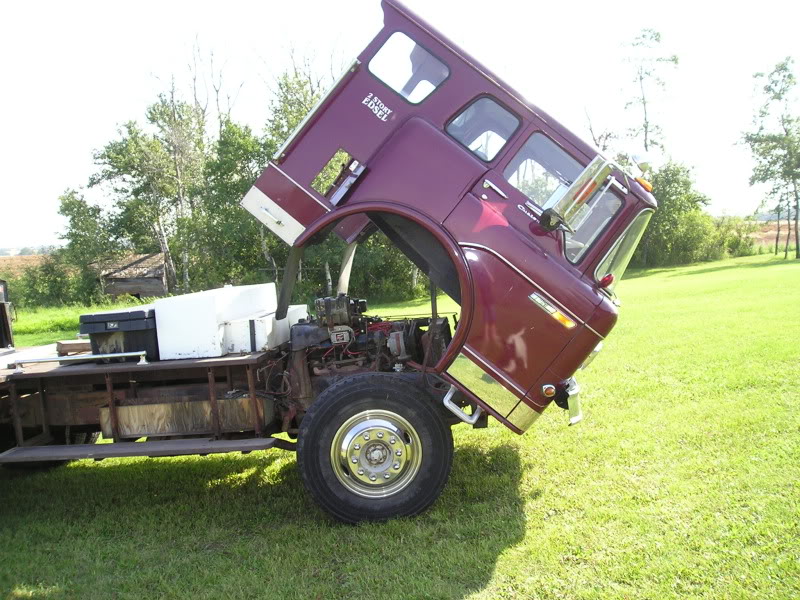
(49, 402)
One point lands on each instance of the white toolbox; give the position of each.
(194, 325)
(261, 331)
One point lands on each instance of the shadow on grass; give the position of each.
(249, 520)
(738, 265)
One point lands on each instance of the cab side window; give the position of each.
(408, 68)
(484, 127)
(542, 170)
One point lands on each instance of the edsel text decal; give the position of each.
(378, 108)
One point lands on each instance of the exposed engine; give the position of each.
(342, 338)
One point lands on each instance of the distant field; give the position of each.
(682, 482)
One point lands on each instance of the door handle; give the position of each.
(271, 216)
(489, 185)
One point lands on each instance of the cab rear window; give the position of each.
(484, 127)
(408, 68)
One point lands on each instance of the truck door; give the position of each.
(521, 321)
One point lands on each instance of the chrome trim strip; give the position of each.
(593, 331)
(309, 194)
(472, 355)
(281, 151)
(565, 310)
(523, 416)
(484, 385)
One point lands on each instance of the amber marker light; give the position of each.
(563, 319)
(645, 184)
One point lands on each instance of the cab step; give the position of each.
(128, 449)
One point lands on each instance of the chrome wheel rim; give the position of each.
(376, 453)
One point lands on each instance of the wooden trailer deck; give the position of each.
(37, 397)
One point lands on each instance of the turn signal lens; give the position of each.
(645, 184)
(549, 390)
(563, 319)
(552, 310)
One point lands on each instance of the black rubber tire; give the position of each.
(349, 397)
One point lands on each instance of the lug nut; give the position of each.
(372, 478)
(396, 465)
(354, 459)
(392, 440)
(380, 434)
(386, 476)
(357, 446)
(398, 452)
(361, 471)
(366, 436)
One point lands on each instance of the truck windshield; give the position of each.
(543, 171)
(617, 259)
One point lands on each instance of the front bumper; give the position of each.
(574, 401)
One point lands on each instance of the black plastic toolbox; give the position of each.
(122, 330)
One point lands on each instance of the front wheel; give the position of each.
(373, 447)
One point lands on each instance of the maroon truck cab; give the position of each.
(526, 227)
(508, 212)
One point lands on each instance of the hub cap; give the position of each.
(376, 453)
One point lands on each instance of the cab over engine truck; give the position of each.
(517, 220)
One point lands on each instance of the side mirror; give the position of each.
(643, 161)
(567, 211)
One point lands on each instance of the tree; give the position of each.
(775, 141)
(672, 237)
(648, 61)
(88, 233)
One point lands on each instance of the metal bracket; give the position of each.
(17, 364)
(451, 406)
(574, 403)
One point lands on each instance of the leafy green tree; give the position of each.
(648, 62)
(775, 142)
(675, 227)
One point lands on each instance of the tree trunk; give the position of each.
(185, 261)
(778, 234)
(299, 271)
(328, 280)
(267, 256)
(789, 232)
(796, 217)
(414, 277)
(169, 264)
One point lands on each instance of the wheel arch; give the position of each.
(447, 243)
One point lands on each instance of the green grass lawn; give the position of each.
(683, 481)
(37, 326)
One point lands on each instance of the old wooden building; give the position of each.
(139, 275)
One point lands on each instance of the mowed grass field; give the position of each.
(38, 326)
(683, 481)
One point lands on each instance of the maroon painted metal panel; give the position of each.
(415, 169)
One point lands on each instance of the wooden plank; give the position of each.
(67, 347)
(128, 449)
